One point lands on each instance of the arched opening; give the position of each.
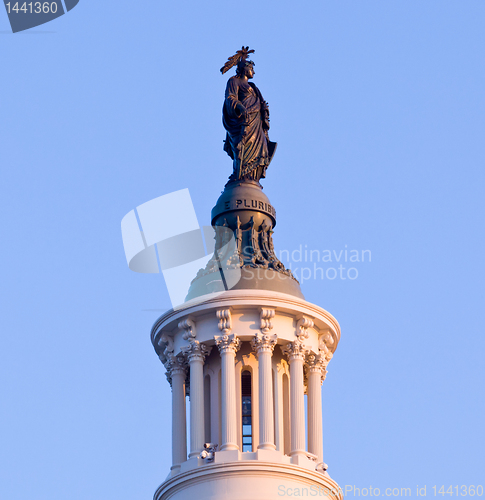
(247, 417)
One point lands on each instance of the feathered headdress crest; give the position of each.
(240, 55)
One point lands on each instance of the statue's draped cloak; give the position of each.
(246, 142)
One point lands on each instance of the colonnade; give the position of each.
(301, 361)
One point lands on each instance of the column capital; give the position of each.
(196, 351)
(174, 365)
(262, 342)
(316, 363)
(295, 350)
(227, 343)
(188, 324)
(179, 366)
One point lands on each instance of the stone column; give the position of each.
(263, 343)
(316, 373)
(177, 374)
(296, 352)
(196, 353)
(228, 345)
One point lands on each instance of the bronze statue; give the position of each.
(243, 218)
(245, 116)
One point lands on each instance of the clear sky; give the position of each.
(378, 110)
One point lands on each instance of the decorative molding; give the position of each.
(166, 356)
(166, 346)
(167, 339)
(326, 344)
(227, 343)
(258, 251)
(252, 472)
(266, 316)
(189, 326)
(302, 326)
(239, 299)
(264, 343)
(225, 320)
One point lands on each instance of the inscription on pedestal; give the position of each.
(251, 204)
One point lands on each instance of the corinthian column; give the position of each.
(316, 374)
(263, 343)
(296, 352)
(177, 371)
(228, 345)
(196, 353)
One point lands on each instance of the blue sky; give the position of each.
(378, 111)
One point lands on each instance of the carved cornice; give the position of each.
(266, 316)
(242, 299)
(227, 343)
(189, 326)
(225, 321)
(264, 342)
(196, 351)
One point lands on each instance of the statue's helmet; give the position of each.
(240, 58)
(242, 65)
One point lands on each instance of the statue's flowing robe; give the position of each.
(246, 143)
